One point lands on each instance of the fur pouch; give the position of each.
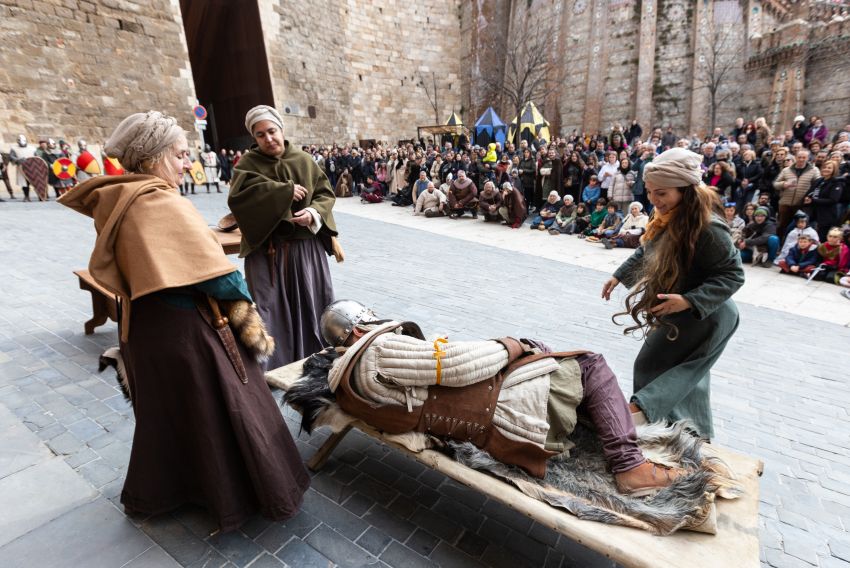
(248, 326)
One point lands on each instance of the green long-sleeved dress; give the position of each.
(672, 378)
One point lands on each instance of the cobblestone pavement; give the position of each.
(780, 393)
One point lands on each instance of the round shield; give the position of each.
(87, 163)
(113, 167)
(63, 168)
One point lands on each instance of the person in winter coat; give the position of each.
(749, 174)
(759, 243)
(793, 184)
(801, 259)
(620, 191)
(817, 131)
(631, 229)
(801, 227)
(824, 199)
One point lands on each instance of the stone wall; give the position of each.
(674, 62)
(355, 71)
(74, 68)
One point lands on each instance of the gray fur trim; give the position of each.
(581, 485)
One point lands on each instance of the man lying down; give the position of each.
(514, 399)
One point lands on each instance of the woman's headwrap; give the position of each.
(568, 198)
(262, 112)
(142, 136)
(676, 167)
(636, 203)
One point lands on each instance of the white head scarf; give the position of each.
(676, 167)
(262, 112)
(142, 136)
(637, 204)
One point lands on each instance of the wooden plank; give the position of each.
(735, 544)
(104, 304)
(230, 241)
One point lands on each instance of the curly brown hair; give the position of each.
(668, 258)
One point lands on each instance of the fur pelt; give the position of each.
(112, 358)
(579, 482)
(249, 327)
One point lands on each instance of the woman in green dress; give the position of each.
(682, 279)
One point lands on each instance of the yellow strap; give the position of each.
(438, 355)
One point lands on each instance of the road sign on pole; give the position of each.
(199, 112)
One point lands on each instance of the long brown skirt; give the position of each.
(202, 436)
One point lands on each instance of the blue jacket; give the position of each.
(801, 258)
(591, 194)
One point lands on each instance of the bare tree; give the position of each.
(431, 94)
(531, 73)
(715, 68)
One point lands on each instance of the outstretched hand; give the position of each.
(609, 286)
(670, 304)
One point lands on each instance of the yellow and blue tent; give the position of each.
(490, 128)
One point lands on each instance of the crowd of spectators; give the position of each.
(775, 186)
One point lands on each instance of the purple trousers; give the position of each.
(605, 405)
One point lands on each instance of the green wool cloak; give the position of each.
(672, 378)
(261, 197)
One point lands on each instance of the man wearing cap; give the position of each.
(283, 203)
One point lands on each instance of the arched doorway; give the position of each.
(229, 65)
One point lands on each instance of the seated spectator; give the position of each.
(564, 220)
(446, 185)
(763, 202)
(609, 226)
(800, 260)
(514, 208)
(801, 227)
(582, 220)
(463, 197)
(829, 256)
(759, 243)
(546, 217)
(747, 215)
(596, 218)
(371, 191)
(419, 185)
(620, 192)
(489, 201)
(431, 202)
(630, 230)
(592, 192)
(736, 224)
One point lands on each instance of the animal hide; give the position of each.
(248, 326)
(578, 483)
(112, 358)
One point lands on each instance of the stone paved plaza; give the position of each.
(780, 392)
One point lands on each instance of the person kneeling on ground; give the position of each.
(431, 202)
(759, 243)
(546, 217)
(631, 229)
(463, 197)
(564, 220)
(800, 260)
(489, 201)
(514, 209)
(513, 398)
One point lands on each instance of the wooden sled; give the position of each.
(735, 544)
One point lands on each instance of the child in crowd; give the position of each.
(801, 259)
(609, 226)
(631, 229)
(736, 224)
(801, 227)
(581, 222)
(829, 254)
(564, 220)
(546, 217)
(596, 218)
(592, 192)
(759, 242)
(371, 192)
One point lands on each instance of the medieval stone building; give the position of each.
(345, 70)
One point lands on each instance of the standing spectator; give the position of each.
(573, 170)
(816, 131)
(749, 172)
(551, 171)
(621, 187)
(798, 131)
(226, 166)
(824, 198)
(762, 135)
(793, 184)
(647, 154)
(606, 174)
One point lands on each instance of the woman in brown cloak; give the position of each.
(208, 431)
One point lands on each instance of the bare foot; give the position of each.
(647, 479)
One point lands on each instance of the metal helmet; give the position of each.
(339, 318)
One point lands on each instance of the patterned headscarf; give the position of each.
(142, 136)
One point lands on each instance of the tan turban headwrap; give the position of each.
(262, 112)
(676, 167)
(142, 136)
